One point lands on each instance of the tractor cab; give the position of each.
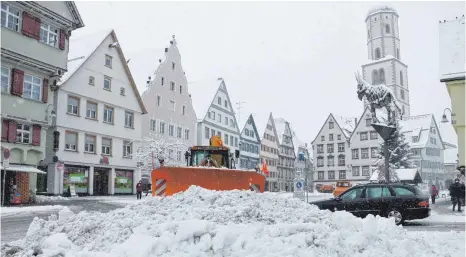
(215, 155)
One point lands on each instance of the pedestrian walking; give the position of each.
(456, 191)
(433, 193)
(139, 189)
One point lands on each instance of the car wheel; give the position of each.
(397, 215)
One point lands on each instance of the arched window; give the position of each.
(381, 76)
(401, 77)
(377, 53)
(398, 54)
(387, 28)
(375, 77)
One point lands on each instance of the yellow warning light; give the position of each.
(216, 141)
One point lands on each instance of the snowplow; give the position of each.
(212, 167)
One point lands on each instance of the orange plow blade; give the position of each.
(170, 180)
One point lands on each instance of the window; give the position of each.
(374, 152)
(341, 147)
(10, 17)
(402, 191)
(320, 175)
(387, 28)
(71, 141)
(162, 80)
(106, 146)
(172, 86)
(320, 148)
(377, 53)
(5, 78)
(329, 148)
(226, 139)
(32, 87)
(368, 34)
(108, 114)
(363, 136)
(129, 119)
(330, 137)
(381, 76)
(91, 110)
(401, 77)
(364, 153)
(107, 83)
(375, 77)
(374, 135)
(402, 92)
(331, 124)
(355, 154)
(232, 123)
(172, 105)
(171, 130)
(331, 174)
(108, 61)
(219, 133)
(365, 171)
(162, 127)
(339, 137)
(179, 130)
(127, 148)
(226, 120)
(48, 34)
(183, 112)
(246, 131)
(330, 161)
(403, 110)
(178, 155)
(219, 117)
(73, 105)
(374, 192)
(351, 194)
(368, 122)
(226, 104)
(236, 141)
(89, 144)
(186, 134)
(213, 115)
(181, 89)
(397, 53)
(23, 134)
(341, 160)
(322, 138)
(342, 174)
(91, 80)
(153, 125)
(173, 66)
(355, 171)
(219, 100)
(212, 132)
(159, 100)
(122, 91)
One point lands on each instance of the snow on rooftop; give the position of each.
(280, 126)
(448, 134)
(201, 222)
(381, 8)
(385, 58)
(403, 175)
(346, 124)
(202, 95)
(451, 44)
(416, 126)
(82, 44)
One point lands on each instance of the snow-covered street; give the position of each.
(204, 223)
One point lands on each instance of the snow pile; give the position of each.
(45, 198)
(7, 211)
(200, 222)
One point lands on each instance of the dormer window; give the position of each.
(173, 66)
(91, 80)
(122, 91)
(108, 61)
(415, 139)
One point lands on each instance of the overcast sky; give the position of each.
(296, 60)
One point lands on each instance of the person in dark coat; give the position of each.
(139, 189)
(456, 192)
(433, 193)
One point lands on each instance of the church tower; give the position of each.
(383, 51)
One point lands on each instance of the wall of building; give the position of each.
(457, 92)
(269, 154)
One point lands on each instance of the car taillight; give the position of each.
(423, 204)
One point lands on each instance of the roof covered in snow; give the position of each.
(280, 126)
(404, 175)
(417, 126)
(346, 124)
(451, 43)
(203, 94)
(297, 143)
(381, 8)
(450, 154)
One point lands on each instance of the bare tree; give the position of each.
(170, 150)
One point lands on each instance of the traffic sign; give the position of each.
(6, 158)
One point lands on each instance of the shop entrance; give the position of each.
(7, 192)
(101, 181)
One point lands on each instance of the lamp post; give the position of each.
(444, 116)
(53, 112)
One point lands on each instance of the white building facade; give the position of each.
(249, 145)
(269, 154)
(99, 116)
(216, 117)
(168, 103)
(286, 155)
(383, 51)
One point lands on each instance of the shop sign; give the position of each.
(72, 190)
(104, 160)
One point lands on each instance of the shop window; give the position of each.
(78, 176)
(123, 182)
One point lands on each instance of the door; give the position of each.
(351, 201)
(378, 199)
(100, 182)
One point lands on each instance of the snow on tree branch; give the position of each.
(170, 150)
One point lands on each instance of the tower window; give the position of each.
(403, 110)
(375, 77)
(401, 77)
(397, 53)
(402, 92)
(381, 76)
(387, 28)
(377, 53)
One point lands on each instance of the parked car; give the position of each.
(400, 201)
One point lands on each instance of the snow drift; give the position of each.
(200, 222)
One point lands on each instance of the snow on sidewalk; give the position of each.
(200, 222)
(45, 198)
(8, 211)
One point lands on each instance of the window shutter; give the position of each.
(45, 90)
(5, 130)
(31, 26)
(61, 43)
(12, 131)
(36, 135)
(17, 83)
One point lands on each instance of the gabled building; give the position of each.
(34, 50)
(249, 145)
(269, 154)
(286, 155)
(99, 113)
(331, 151)
(168, 102)
(303, 161)
(215, 117)
(364, 144)
(427, 147)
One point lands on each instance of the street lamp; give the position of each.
(444, 116)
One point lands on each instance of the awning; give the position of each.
(23, 168)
